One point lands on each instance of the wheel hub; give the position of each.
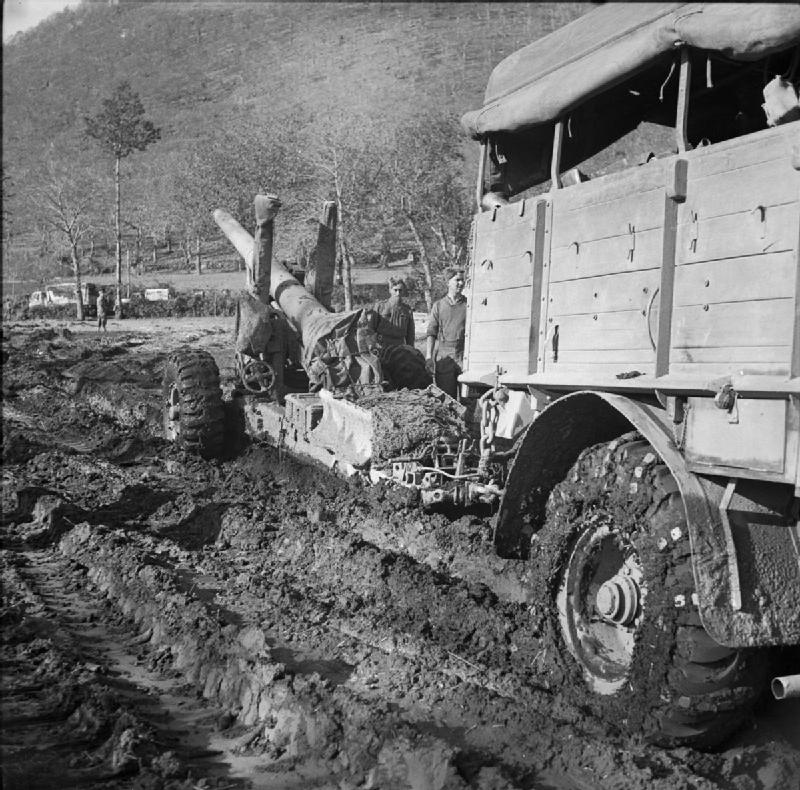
(600, 600)
(618, 600)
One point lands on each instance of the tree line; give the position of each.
(397, 190)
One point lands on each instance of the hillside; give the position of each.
(200, 67)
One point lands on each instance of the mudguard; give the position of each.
(739, 605)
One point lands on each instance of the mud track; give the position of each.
(174, 622)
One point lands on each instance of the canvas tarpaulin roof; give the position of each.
(543, 80)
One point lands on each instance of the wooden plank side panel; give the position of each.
(611, 188)
(734, 355)
(491, 274)
(768, 322)
(742, 190)
(607, 256)
(747, 151)
(620, 339)
(737, 235)
(642, 210)
(516, 361)
(501, 305)
(711, 370)
(753, 278)
(596, 371)
(607, 293)
(494, 241)
(620, 357)
(499, 336)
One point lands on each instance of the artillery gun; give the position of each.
(320, 385)
(633, 328)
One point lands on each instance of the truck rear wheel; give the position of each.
(615, 553)
(193, 412)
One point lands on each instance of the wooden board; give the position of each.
(490, 274)
(499, 335)
(643, 210)
(769, 322)
(502, 242)
(739, 234)
(608, 293)
(501, 305)
(770, 183)
(754, 149)
(611, 188)
(608, 255)
(752, 278)
(735, 355)
(516, 360)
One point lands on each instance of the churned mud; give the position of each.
(171, 622)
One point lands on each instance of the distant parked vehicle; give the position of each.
(156, 294)
(64, 294)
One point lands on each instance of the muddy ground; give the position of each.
(170, 622)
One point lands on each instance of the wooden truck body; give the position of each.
(661, 294)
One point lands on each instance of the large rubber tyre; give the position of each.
(404, 368)
(613, 562)
(193, 412)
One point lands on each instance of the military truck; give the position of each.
(632, 347)
(63, 294)
(634, 282)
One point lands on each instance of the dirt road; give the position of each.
(170, 622)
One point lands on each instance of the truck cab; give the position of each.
(633, 283)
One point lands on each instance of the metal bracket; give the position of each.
(694, 231)
(759, 215)
(733, 565)
(632, 246)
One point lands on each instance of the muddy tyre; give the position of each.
(615, 562)
(404, 368)
(193, 412)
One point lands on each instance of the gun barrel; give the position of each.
(321, 331)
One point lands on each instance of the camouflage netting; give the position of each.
(408, 422)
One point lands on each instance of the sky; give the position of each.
(22, 14)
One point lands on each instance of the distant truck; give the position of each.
(64, 294)
(156, 294)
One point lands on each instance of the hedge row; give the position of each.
(211, 303)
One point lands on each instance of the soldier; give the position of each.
(445, 335)
(102, 316)
(395, 312)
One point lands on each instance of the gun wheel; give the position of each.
(193, 411)
(624, 627)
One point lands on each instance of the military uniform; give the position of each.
(401, 318)
(447, 326)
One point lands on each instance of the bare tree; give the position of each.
(344, 157)
(421, 190)
(121, 128)
(61, 197)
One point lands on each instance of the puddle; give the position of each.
(337, 672)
